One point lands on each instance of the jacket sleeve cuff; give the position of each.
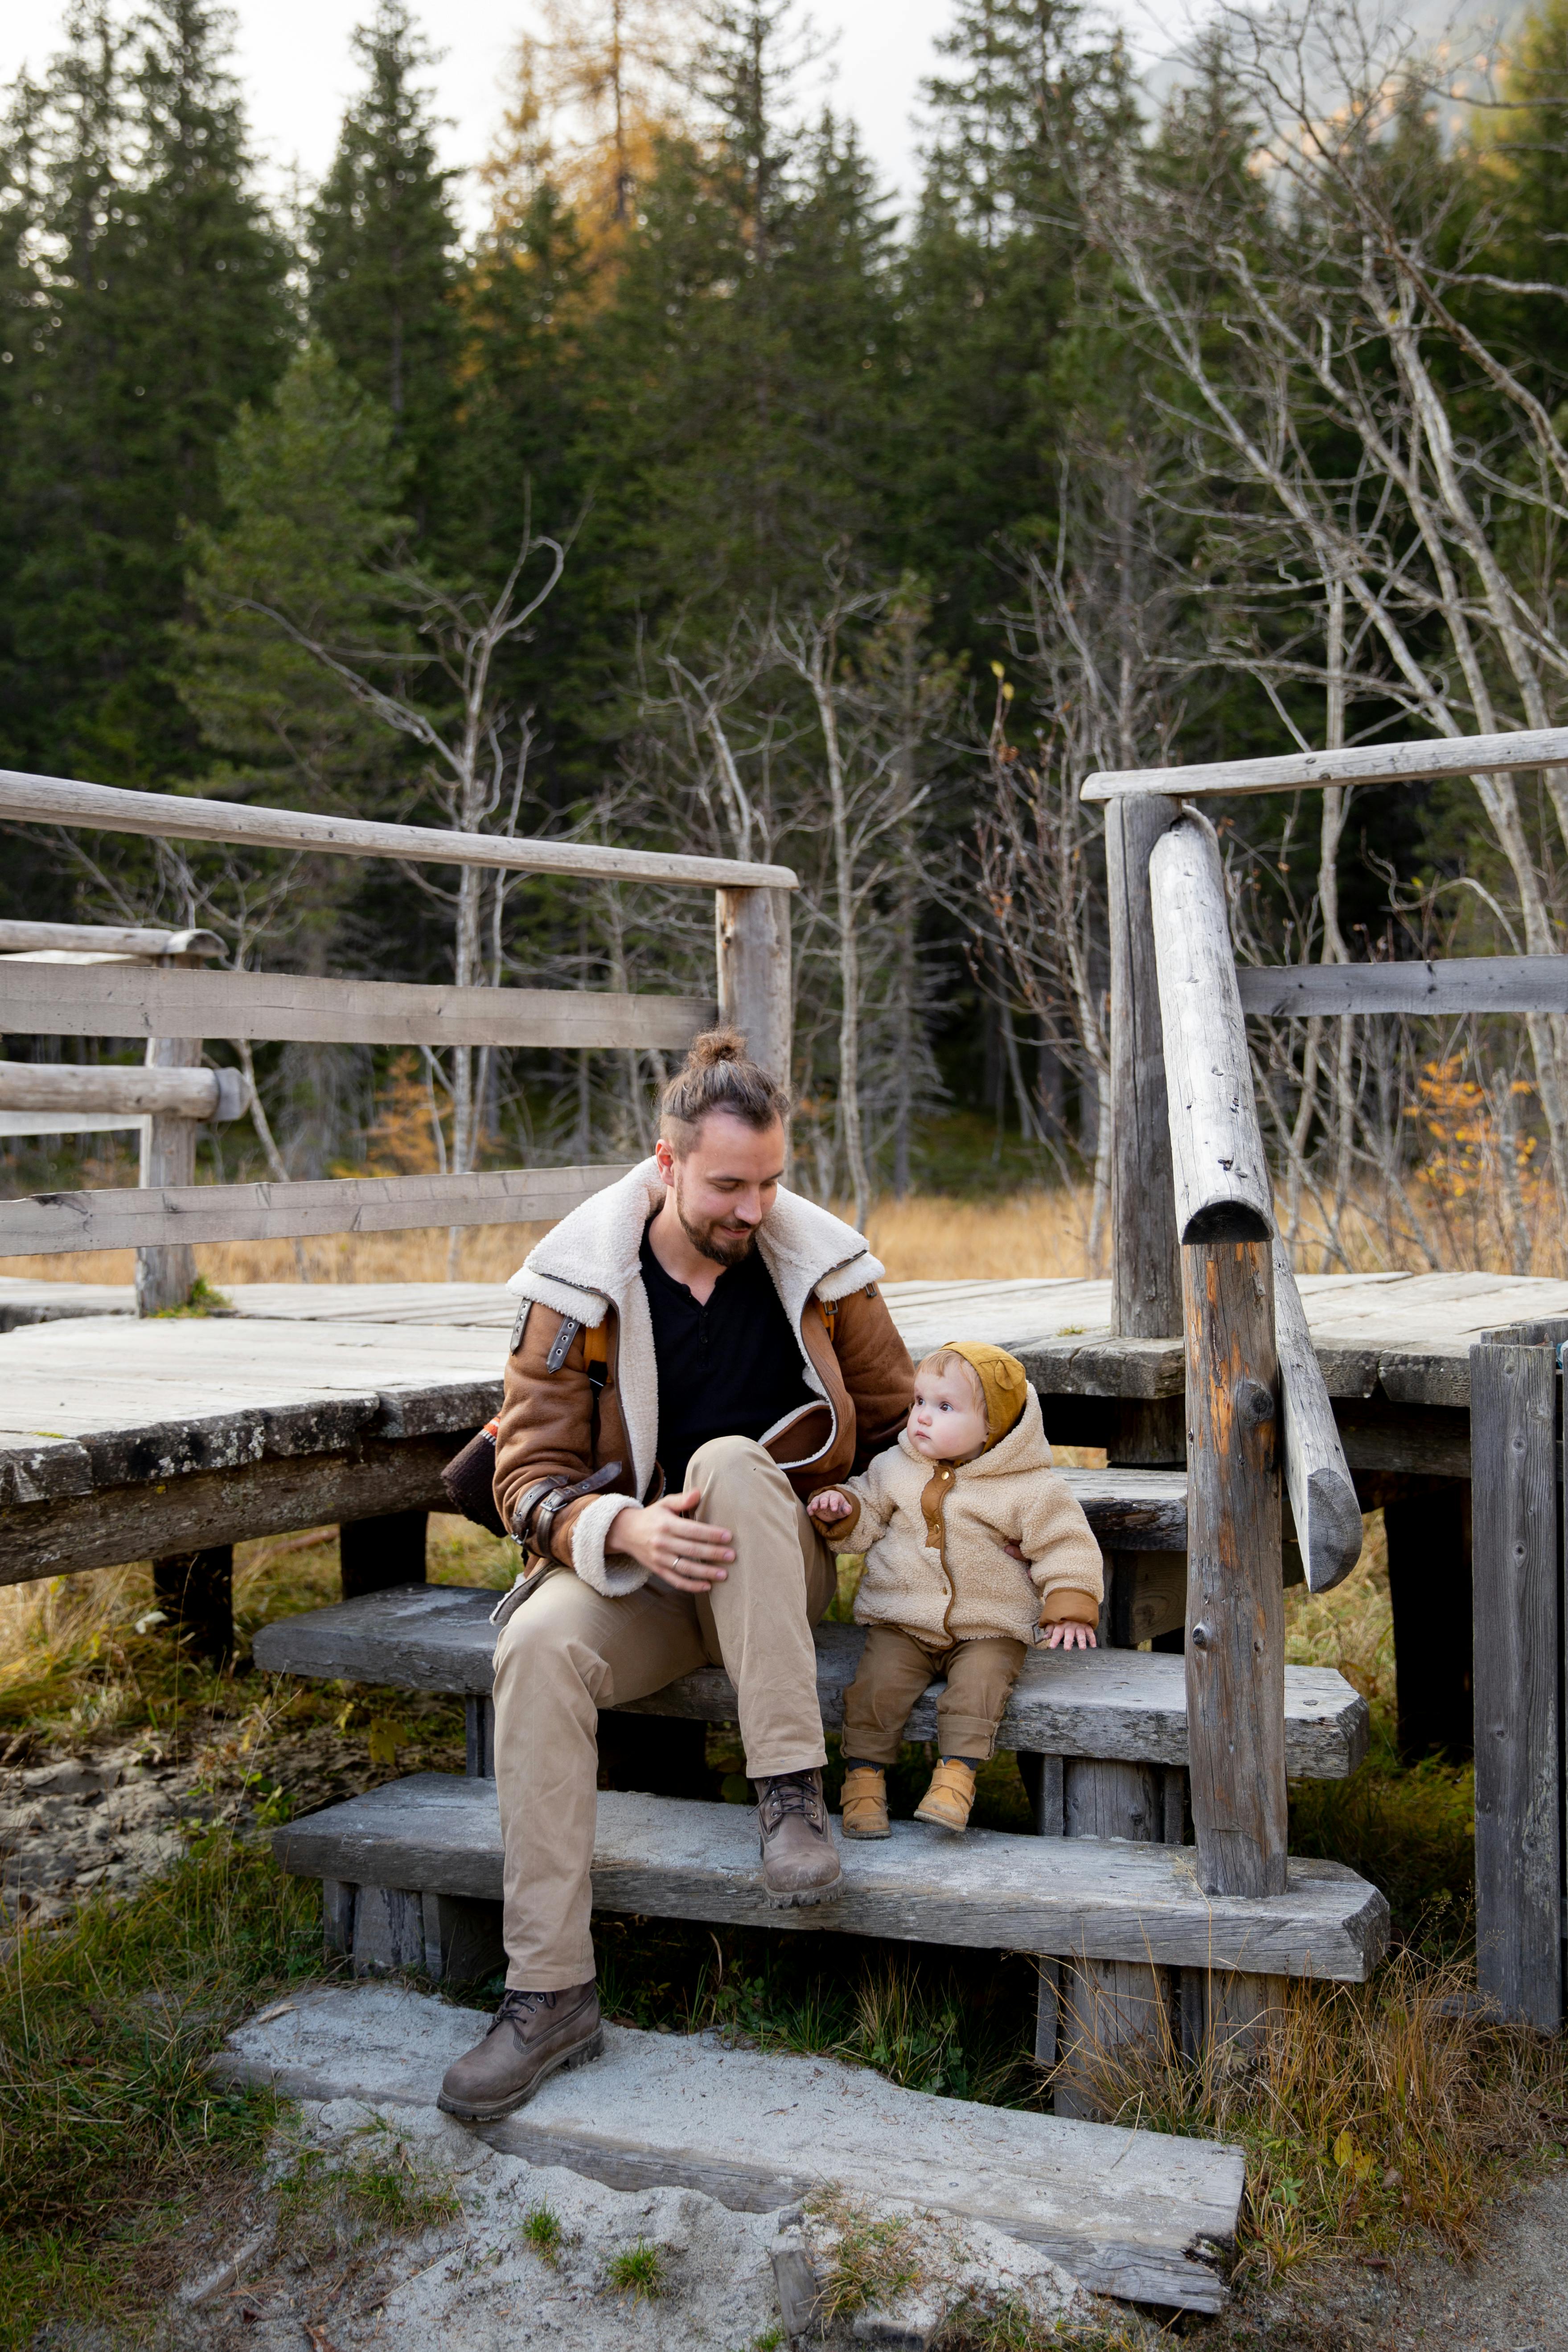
(612, 1574)
(1068, 1605)
(835, 1533)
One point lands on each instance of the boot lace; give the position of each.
(791, 1793)
(520, 2009)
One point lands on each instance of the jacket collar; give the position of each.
(590, 1260)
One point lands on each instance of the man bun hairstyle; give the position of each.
(720, 1075)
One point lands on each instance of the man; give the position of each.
(699, 1350)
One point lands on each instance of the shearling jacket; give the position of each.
(579, 1416)
(933, 1533)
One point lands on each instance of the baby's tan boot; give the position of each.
(947, 1802)
(864, 1802)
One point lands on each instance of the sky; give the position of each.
(298, 69)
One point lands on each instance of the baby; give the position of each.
(975, 1548)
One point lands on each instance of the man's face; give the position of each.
(725, 1185)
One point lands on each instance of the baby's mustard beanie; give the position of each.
(1003, 1381)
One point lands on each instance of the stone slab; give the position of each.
(676, 1858)
(1140, 2215)
(1127, 1704)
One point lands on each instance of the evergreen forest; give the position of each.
(701, 498)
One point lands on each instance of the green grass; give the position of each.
(639, 2271)
(541, 2232)
(111, 2134)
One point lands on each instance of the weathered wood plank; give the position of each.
(169, 816)
(1518, 1652)
(1126, 1705)
(1317, 1476)
(1131, 2214)
(130, 1000)
(179, 1090)
(1146, 1274)
(105, 939)
(46, 1222)
(1457, 985)
(1368, 763)
(753, 957)
(1235, 1609)
(147, 1519)
(676, 1858)
(1221, 1183)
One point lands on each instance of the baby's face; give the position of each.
(945, 1423)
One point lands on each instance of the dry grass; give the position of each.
(1374, 2117)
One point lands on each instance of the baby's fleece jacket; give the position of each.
(933, 1533)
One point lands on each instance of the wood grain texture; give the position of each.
(1458, 984)
(1317, 1476)
(165, 1262)
(1221, 1183)
(168, 816)
(1111, 2012)
(71, 1085)
(1235, 1609)
(1134, 2213)
(674, 1858)
(1146, 1273)
(1118, 1704)
(47, 1222)
(752, 945)
(1368, 763)
(1518, 1651)
(130, 1000)
(106, 938)
(104, 1529)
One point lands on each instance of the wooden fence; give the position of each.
(130, 982)
(1185, 1133)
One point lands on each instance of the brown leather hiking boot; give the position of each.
(800, 1861)
(534, 2035)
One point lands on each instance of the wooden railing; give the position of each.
(1185, 1130)
(128, 983)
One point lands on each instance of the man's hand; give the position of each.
(829, 1505)
(1068, 1633)
(687, 1554)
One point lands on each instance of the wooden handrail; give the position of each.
(1453, 985)
(1368, 763)
(1223, 1190)
(132, 1000)
(1323, 1501)
(68, 1087)
(169, 816)
(107, 939)
(132, 1217)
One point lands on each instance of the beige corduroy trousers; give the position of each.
(569, 1652)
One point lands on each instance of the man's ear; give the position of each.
(664, 1159)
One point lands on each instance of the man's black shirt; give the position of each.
(730, 1369)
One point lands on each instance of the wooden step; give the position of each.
(1136, 2214)
(1126, 1705)
(673, 1858)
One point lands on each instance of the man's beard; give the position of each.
(705, 1242)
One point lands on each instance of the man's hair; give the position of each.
(943, 1361)
(720, 1075)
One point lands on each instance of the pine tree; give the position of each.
(157, 308)
(383, 239)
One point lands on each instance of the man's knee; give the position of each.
(544, 1646)
(724, 1459)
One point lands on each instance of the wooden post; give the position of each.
(1146, 1273)
(1236, 1597)
(195, 1589)
(753, 953)
(1515, 1456)
(165, 1271)
(373, 1555)
(1108, 2008)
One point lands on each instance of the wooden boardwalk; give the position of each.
(313, 1404)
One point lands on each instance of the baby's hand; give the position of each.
(829, 1505)
(1068, 1633)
